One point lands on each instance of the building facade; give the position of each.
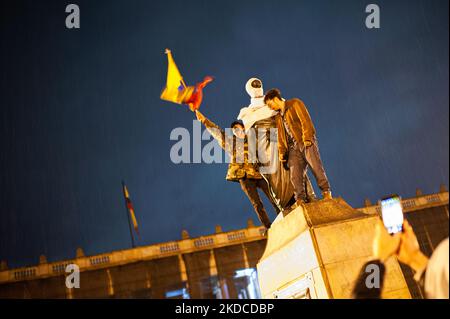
(221, 265)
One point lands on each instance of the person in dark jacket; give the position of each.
(241, 168)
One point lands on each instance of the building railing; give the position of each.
(237, 236)
(169, 248)
(204, 242)
(99, 260)
(412, 204)
(24, 273)
(61, 267)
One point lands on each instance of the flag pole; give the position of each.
(128, 215)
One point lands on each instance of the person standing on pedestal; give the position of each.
(241, 169)
(261, 119)
(297, 143)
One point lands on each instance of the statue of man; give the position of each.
(260, 120)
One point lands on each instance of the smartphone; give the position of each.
(392, 213)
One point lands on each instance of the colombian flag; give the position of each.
(177, 91)
(130, 208)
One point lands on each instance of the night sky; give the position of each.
(80, 110)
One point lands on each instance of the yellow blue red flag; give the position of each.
(177, 91)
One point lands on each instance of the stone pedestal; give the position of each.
(318, 250)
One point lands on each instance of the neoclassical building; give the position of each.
(219, 265)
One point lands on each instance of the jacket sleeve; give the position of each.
(308, 131)
(216, 131)
(282, 142)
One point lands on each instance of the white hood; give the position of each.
(257, 110)
(254, 88)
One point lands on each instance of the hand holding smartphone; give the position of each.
(392, 213)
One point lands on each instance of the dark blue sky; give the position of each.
(80, 110)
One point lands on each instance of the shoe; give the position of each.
(311, 200)
(327, 195)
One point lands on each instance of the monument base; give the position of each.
(318, 250)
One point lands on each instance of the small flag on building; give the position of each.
(130, 208)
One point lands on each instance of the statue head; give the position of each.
(254, 88)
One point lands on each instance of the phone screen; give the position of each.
(392, 213)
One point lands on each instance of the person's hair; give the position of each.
(271, 94)
(237, 122)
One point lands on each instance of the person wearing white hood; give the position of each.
(260, 117)
(257, 110)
